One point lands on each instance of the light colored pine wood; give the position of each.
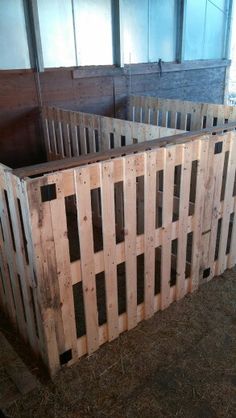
(130, 225)
(203, 147)
(183, 214)
(83, 199)
(149, 231)
(221, 265)
(109, 248)
(167, 214)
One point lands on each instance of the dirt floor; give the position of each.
(181, 363)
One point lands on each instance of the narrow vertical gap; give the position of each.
(79, 309)
(193, 186)
(34, 312)
(12, 293)
(96, 219)
(230, 230)
(174, 252)
(224, 177)
(140, 204)
(23, 231)
(121, 287)
(189, 254)
(119, 211)
(96, 138)
(1, 229)
(10, 220)
(176, 197)
(159, 198)
(112, 143)
(188, 122)
(123, 140)
(218, 239)
(157, 289)
(101, 298)
(87, 140)
(72, 227)
(140, 279)
(1, 276)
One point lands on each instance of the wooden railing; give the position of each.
(178, 114)
(69, 134)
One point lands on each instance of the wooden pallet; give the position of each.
(165, 197)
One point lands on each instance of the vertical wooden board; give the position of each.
(130, 225)
(46, 135)
(59, 228)
(216, 208)
(196, 118)
(82, 133)
(149, 231)
(109, 247)
(186, 165)
(221, 264)
(167, 213)
(209, 116)
(209, 185)
(105, 134)
(21, 266)
(58, 132)
(46, 272)
(10, 255)
(203, 148)
(66, 139)
(74, 135)
(232, 254)
(83, 198)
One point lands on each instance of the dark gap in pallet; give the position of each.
(193, 186)
(96, 139)
(72, 227)
(189, 255)
(97, 219)
(34, 311)
(174, 252)
(123, 141)
(23, 231)
(10, 220)
(204, 122)
(121, 287)
(159, 198)
(140, 204)
(215, 121)
(218, 147)
(160, 116)
(168, 119)
(177, 182)
(230, 230)
(21, 296)
(101, 298)
(87, 140)
(112, 143)
(234, 189)
(1, 277)
(48, 192)
(79, 309)
(140, 279)
(65, 357)
(218, 239)
(178, 120)
(157, 287)
(224, 177)
(188, 122)
(119, 211)
(79, 140)
(73, 152)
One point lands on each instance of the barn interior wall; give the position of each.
(22, 92)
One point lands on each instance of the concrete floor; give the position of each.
(181, 363)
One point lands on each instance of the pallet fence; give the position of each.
(179, 114)
(71, 280)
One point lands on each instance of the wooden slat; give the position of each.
(203, 146)
(167, 213)
(183, 214)
(221, 265)
(149, 231)
(130, 224)
(109, 248)
(84, 214)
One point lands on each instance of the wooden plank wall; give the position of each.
(89, 288)
(20, 134)
(70, 134)
(185, 115)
